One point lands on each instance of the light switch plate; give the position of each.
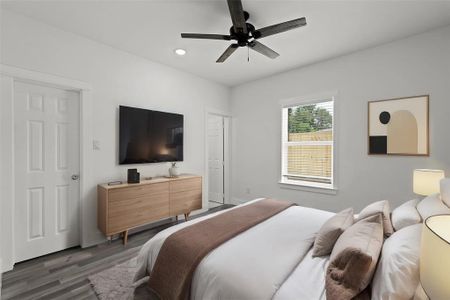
(96, 144)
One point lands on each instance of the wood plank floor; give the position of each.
(64, 274)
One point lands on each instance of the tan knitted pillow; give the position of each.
(354, 258)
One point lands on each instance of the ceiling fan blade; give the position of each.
(278, 28)
(227, 53)
(206, 36)
(237, 15)
(263, 49)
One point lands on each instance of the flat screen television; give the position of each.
(148, 136)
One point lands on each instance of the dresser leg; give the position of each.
(125, 237)
(186, 216)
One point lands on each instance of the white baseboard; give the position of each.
(6, 265)
(237, 201)
(93, 239)
(1, 271)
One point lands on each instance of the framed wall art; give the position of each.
(399, 126)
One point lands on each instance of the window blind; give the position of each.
(307, 143)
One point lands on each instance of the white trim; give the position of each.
(336, 122)
(1, 268)
(43, 78)
(7, 172)
(238, 201)
(305, 185)
(309, 188)
(308, 99)
(86, 162)
(227, 158)
(227, 154)
(7, 126)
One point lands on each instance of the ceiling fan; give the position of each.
(245, 34)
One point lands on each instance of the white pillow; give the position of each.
(397, 274)
(445, 191)
(405, 215)
(432, 205)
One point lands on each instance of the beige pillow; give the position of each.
(354, 258)
(330, 232)
(377, 208)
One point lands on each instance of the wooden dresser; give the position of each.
(122, 207)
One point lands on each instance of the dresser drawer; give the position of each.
(185, 202)
(125, 206)
(184, 185)
(138, 191)
(121, 208)
(129, 213)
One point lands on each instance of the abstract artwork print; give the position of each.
(399, 126)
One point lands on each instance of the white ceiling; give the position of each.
(151, 29)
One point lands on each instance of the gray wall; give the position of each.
(117, 78)
(414, 66)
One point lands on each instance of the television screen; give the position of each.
(148, 136)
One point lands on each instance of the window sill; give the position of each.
(308, 187)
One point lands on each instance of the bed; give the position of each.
(261, 263)
(278, 266)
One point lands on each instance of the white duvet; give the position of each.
(271, 260)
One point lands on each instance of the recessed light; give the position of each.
(180, 51)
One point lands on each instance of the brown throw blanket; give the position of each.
(183, 250)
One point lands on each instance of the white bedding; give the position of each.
(307, 281)
(270, 260)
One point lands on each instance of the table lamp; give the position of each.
(435, 257)
(426, 181)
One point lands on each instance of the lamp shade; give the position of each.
(426, 182)
(435, 257)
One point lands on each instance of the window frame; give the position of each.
(299, 184)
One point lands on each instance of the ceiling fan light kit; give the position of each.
(245, 34)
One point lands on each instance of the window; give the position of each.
(307, 144)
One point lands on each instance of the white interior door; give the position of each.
(46, 145)
(215, 158)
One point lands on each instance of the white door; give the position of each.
(215, 158)
(46, 145)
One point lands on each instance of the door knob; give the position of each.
(75, 177)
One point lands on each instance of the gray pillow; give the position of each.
(377, 208)
(405, 215)
(330, 232)
(354, 258)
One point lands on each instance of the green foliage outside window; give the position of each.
(309, 118)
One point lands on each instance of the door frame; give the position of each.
(226, 154)
(10, 74)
